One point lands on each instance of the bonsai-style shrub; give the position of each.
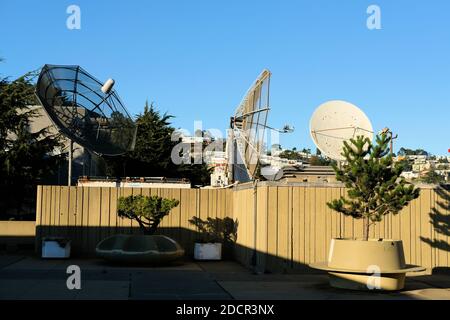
(148, 211)
(213, 230)
(375, 187)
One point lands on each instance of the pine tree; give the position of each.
(375, 187)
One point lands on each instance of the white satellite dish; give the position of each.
(272, 173)
(335, 122)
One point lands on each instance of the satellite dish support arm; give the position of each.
(69, 170)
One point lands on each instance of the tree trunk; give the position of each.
(366, 228)
(142, 226)
(152, 229)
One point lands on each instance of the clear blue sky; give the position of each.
(196, 59)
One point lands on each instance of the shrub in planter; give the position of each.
(148, 211)
(375, 189)
(215, 234)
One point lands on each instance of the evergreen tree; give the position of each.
(291, 155)
(25, 157)
(432, 177)
(375, 187)
(410, 152)
(320, 161)
(152, 154)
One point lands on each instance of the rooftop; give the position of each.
(28, 277)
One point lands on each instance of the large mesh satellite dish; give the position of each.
(335, 122)
(85, 110)
(247, 130)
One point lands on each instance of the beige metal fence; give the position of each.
(88, 214)
(293, 224)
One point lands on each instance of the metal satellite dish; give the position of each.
(86, 110)
(245, 143)
(247, 128)
(335, 122)
(272, 173)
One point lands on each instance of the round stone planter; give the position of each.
(377, 264)
(139, 249)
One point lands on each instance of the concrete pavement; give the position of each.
(28, 277)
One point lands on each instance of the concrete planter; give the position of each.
(139, 249)
(377, 264)
(208, 251)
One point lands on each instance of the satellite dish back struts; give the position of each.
(335, 122)
(86, 110)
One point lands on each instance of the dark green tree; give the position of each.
(153, 144)
(152, 154)
(26, 157)
(375, 187)
(320, 161)
(405, 165)
(411, 152)
(305, 150)
(290, 155)
(294, 154)
(432, 177)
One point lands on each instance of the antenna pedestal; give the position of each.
(69, 165)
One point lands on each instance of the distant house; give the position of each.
(217, 160)
(445, 173)
(410, 175)
(417, 157)
(419, 165)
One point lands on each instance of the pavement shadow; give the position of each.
(85, 239)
